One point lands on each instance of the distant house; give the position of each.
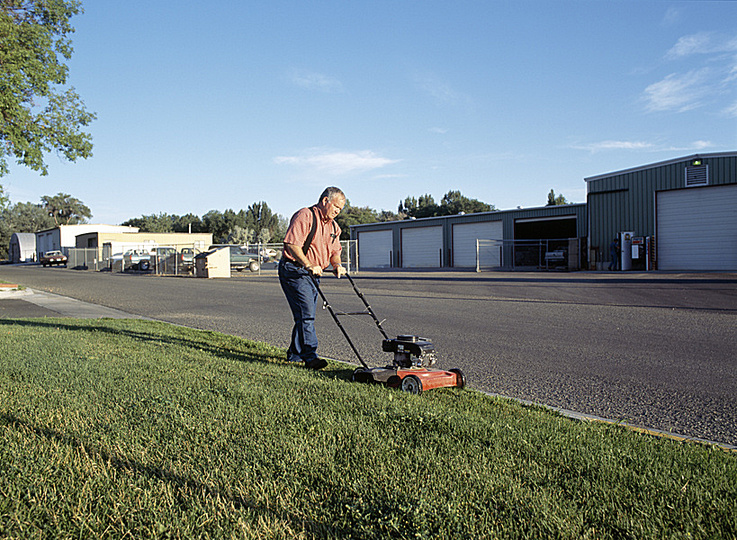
(112, 244)
(22, 248)
(64, 237)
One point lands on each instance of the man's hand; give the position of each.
(315, 270)
(339, 271)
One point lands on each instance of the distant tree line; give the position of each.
(257, 223)
(451, 204)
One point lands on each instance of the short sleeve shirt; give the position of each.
(326, 242)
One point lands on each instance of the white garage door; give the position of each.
(464, 242)
(697, 229)
(421, 247)
(375, 249)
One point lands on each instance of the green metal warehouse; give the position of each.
(545, 237)
(679, 214)
(684, 211)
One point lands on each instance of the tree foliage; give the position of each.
(255, 224)
(262, 222)
(556, 200)
(4, 199)
(354, 215)
(154, 223)
(38, 113)
(65, 209)
(22, 218)
(452, 203)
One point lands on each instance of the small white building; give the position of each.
(64, 237)
(22, 248)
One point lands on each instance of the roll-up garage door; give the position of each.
(375, 249)
(697, 228)
(421, 247)
(464, 241)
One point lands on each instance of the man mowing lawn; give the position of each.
(311, 244)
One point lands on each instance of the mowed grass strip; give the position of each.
(132, 429)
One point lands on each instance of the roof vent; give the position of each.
(697, 176)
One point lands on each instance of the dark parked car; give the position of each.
(51, 258)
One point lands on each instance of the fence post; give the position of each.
(478, 263)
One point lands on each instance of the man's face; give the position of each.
(333, 208)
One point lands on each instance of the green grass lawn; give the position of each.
(138, 429)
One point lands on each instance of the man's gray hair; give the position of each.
(331, 192)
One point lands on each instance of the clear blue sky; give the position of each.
(217, 105)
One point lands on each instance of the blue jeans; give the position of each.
(299, 288)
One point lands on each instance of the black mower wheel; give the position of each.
(411, 385)
(460, 377)
(361, 375)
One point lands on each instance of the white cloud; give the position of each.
(311, 80)
(603, 146)
(337, 163)
(693, 44)
(731, 111)
(672, 16)
(614, 145)
(687, 90)
(700, 145)
(701, 43)
(679, 92)
(438, 130)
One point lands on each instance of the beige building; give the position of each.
(115, 244)
(64, 237)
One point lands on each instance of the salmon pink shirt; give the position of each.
(326, 242)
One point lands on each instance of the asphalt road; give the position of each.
(655, 350)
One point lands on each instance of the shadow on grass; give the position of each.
(187, 486)
(153, 336)
(335, 370)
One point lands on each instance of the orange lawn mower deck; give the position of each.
(413, 356)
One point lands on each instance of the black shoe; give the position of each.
(317, 363)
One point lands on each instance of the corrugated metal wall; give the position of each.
(625, 201)
(507, 217)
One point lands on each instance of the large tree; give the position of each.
(155, 223)
(22, 218)
(455, 203)
(65, 209)
(264, 223)
(354, 215)
(38, 112)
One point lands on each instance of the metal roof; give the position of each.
(660, 164)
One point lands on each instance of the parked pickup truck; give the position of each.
(137, 259)
(241, 259)
(51, 258)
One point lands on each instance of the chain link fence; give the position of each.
(543, 254)
(180, 259)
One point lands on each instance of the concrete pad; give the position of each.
(15, 304)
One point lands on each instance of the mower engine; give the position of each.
(410, 351)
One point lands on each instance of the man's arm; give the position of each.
(298, 255)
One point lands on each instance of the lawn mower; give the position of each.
(411, 369)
